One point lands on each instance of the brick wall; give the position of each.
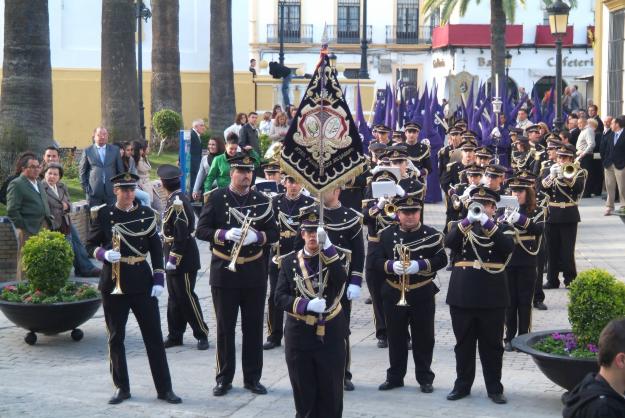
(8, 250)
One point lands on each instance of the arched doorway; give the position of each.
(543, 85)
(511, 88)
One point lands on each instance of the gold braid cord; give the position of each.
(483, 242)
(122, 230)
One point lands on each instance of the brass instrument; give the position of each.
(570, 170)
(115, 267)
(508, 214)
(456, 203)
(390, 209)
(236, 248)
(476, 209)
(403, 252)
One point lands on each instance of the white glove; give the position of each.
(413, 268)
(170, 266)
(515, 217)
(316, 305)
(471, 217)
(157, 290)
(417, 172)
(112, 256)
(398, 268)
(234, 234)
(250, 238)
(353, 291)
(425, 141)
(381, 203)
(555, 170)
(375, 169)
(483, 218)
(399, 191)
(323, 238)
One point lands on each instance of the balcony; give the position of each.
(346, 34)
(408, 35)
(293, 33)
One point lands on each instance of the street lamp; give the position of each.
(281, 32)
(508, 63)
(363, 73)
(332, 59)
(141, 12)
(558, 23)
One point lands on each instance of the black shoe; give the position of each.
(382, 343)
(550, 285)
(169, 342)
(390, 385)
(170, 397)
(256, 388)
(93, 273)
(221, 389)
(540, 306)
(119, 396)
(368, 301)
(270, 345)
(498, 398)
(427, 388)
(348, 385)
(508, 347)
(454, 395)
(202, 344)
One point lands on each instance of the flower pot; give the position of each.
(564, 371)
(52, 318)
(621, 215)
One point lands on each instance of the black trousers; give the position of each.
(145, 309)
(561, 252)
(420, 318)
(317, 379)
(594, 184)
(275, 316)
(374, 286)
(347, 308)
(227, 302)
(521, 280)
(482, 328)
(541, 260)
(183, 306)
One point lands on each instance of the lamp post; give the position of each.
(558, 22)
(363, 73)
(332, 58)
(496, 133)
(141, 12)
(281, 32)
(508, 63)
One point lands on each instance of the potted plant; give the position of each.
(566, 356)
(48, 302)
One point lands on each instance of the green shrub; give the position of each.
(48, 259)
(265, 143)
(595, 298)
(70, 167)
(167, 123)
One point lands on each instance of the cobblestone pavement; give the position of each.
(59, 377)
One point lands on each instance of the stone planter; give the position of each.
(564, 371)
(50, 319)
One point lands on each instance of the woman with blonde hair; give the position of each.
(235, 128)
(279, 128)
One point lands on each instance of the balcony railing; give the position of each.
(293, 33)
(408, 35)
(341, 34)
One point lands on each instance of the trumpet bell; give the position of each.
(402, 300)
(232, 266)
(117, 291)
(390, 209)
(569, 171)
(476, 209)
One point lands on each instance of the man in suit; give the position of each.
(613, 158)
(27, 204)
(198, 128)
(595, 180)
(98, 164)
(573, 129)
(248, 136)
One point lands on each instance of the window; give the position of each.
(292, 19)
(615, 63)
(351, 73)
(408, 79)
(348, 21)
(407, 19)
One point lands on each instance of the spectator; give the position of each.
(220, 167)
(27, 206)
(195, 150)
(235, 128)
(593, 112)
(144, 191)
(265, 124)
(565, 136)
(522, 122)
(276, 109)
(576, 99)
(126, 153)
(279, 128)
(98, 164)
(248, 138)
(50, 155)
(215, 147)
(585, 147)
(572, 127)
(253, 67)
(60, 208)
(566, 100)
(601, 395)
(292, 113)
(613, 159)
(16, 174)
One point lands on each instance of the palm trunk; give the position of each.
(498, 41)
(166, 88)
(222, 106)
(26, 100)
(119, 102)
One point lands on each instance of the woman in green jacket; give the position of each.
(220, 168)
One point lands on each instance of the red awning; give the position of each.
(545, 38)
(473, 36)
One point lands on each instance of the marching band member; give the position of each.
(286, 207)
(483, 156)
(451, 152)
(565, 186)
(406, 261)
(183, 262)
(418, 152)
(452, 176)
(383, 135)
(494, 176)
(522, 157)
(121, 235)
(398, 137)
(478, 293)
(240, 225)
(315, 365)
(272, 172)
(527, 223)
(460, 192)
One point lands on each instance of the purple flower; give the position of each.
(593, 348)
(570, 342)
(556, 336)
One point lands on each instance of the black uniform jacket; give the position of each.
(178, 230)
(353, 192)
(426, 248)
(419, 154)
(139, 232)
(217, 217)
(297, 266)
(563, 197)
(471, 287)
(287, 215)
(527, 233)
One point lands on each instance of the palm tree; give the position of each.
(222, 107)
(166, 89)
(119, 102)
(26, 101)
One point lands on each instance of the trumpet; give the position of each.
(456, 203)
(115, 267)
(476, 209)
(390, 209)
(236, 248)
(508, 213)
(569, 170)
(403, 253)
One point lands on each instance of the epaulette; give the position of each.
(93, 212)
